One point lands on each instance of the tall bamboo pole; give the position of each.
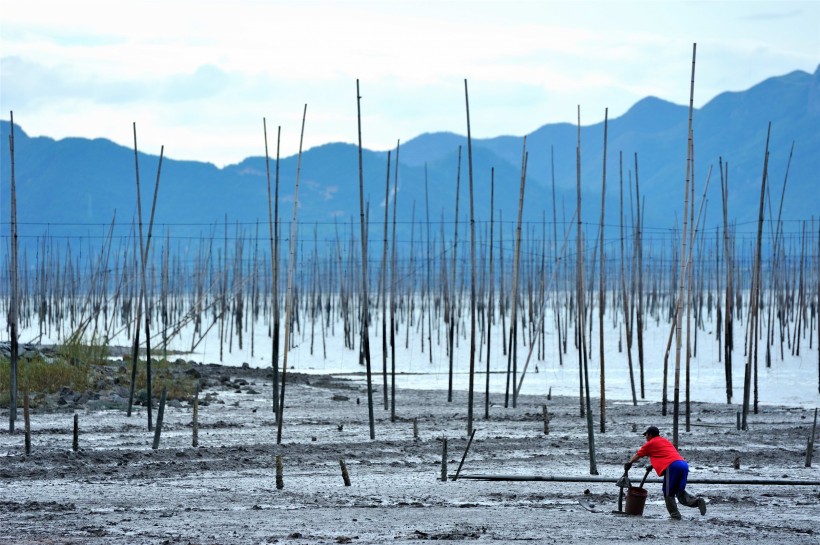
(513, 352)
(581, 313)
(14, 309)
(557, 310)
(289, 294)
(754, 296)
(384, 280)
(624, 299)
(428, 289)
(450, 309)
(145, 294)
(638, 250)
(472, 270)
(490, 297)
(601, 295)
(273, 224)
(393, 293)
(728, 336)
(683, 260)
(365, 302)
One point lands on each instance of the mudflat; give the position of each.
(116, 489)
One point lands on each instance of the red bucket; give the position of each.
(635, 500)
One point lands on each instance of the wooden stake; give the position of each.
(810, 445)
(280, 482)
(444, 460)
(345, 475)
(160, 415)
(75, 444)
(195, 422)
(27, 424)
(546, 419)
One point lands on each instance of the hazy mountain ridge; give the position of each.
(82, 181)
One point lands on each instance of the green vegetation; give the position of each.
(179, 386)
(85, 367)
(40, 376)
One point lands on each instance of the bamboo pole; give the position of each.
(364, 299)
(490, 298)
(560, 256)
(429, 279)
(145, 294)
(584, 479)
(728, 337)
(393, 294)
(682, 274)
(273, 225)
(638, 250)
(384, 280)
(451, 300)
(557, 310)
(14, 302)
(624, 299)
(464, 456)
(581, 315)
(754, 296)
(513, 352)
(689, 301)
(601, 295)
(472, 277)
(289, 294)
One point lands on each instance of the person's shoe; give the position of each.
(672, 507)
(690, 500)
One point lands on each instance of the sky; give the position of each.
(199, 76)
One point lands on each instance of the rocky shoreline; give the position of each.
(110, 386)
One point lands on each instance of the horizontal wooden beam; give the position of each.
(596, 479)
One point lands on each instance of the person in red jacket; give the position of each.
(669, 464)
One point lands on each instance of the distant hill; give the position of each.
(74, 182)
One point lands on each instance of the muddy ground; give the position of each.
(116, 489)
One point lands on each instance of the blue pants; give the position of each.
(674, 478)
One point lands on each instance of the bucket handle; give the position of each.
(645, 475)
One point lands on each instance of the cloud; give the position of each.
(771, 15)
(204, 82)
(329, 192)
(29, 83)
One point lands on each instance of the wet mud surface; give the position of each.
(116, 489)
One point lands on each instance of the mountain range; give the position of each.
(74, 186)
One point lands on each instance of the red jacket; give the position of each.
(661, 453)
